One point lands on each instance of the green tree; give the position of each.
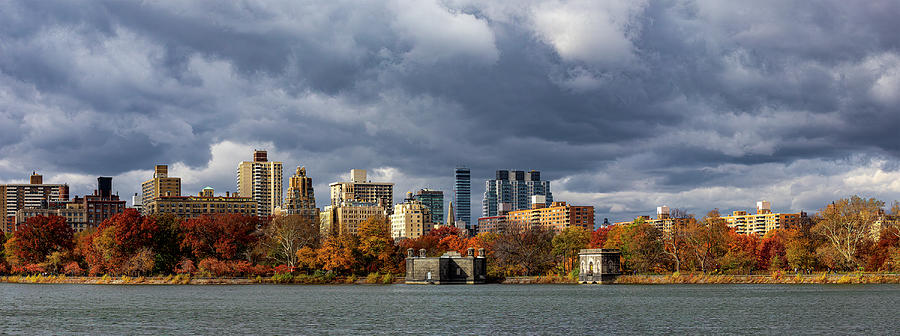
(567, 244)
(641, 245)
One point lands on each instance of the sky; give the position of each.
(623, 105)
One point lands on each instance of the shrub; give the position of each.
(351, 279)
(260, 270)
(213, 267)
(282, 269)
(73, 268)
(35, 268)
(387, 279)
(372, 278)
(186, 266)
(282, 278)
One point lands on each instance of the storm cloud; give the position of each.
(625, 105)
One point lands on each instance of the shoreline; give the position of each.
(648, 279)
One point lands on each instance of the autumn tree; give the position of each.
(740, 256)
(567, 244)
(167, 249)
(523, 249)
(708, 241)
(376, 245)
(340, 254)
(598, 236)
(674, 238)
(286, 235)
(37, 238)
(224, 237)
(847, 224)
(641, 246)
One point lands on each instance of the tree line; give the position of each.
(843, 236)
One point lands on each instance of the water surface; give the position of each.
(483, 309)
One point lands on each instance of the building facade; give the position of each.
(74, 214)
(762, 221)
(160, 185)
(558, 216)
(664, 221)
(450, 268)
(462, 196)
(262, 181)
(493, 224)
(205, 203)
(301, 199)
(411, 219)
(345, 217)
(14, 197)
(515, 188)
(360, 189)
(434, 201)
(101, 205)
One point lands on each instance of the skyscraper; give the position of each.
(462, 193)
(262, 181)
(512, 190)
(301, 200)
(434, 201)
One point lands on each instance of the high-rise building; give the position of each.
(462, 196)
(261, 180)
(14, 197)
(359, 189)
(205, 203)
(515, 188)
(434, 201)
(411, 219)
(301, 200)
(160, 185)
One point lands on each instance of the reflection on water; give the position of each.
(485, 309)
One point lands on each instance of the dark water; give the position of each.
(485, 309)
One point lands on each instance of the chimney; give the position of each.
(227, 194)
(481, 252)
(410, 253)
(470, 252)
(422, 253)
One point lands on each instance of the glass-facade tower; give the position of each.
(511, 190)
(462, 193)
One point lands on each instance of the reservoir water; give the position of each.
(481, 310)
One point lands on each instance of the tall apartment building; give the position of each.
(73, 213)
(513, 187)
(345, 217)
(301, 199)
(462, 196)
(434, 201)
(160, 185)
(205, 203)
(558, 216)
(14, 197)
(261, 180)
(762, 221)
(411, 219)
(359, 189)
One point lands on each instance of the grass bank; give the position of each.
(775, 278)
(183, 279)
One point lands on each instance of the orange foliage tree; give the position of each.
(37, 238)
(224, 237)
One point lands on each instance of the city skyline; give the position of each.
(625, 106)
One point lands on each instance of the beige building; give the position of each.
(558, 216)
(359, 189)
(664, 221)
(411, 219)
(261, 180)
(301, 199)
(14, 197)
(160, 185)
(345, 218)
(205, 203)
(74, 214)
(762, 221)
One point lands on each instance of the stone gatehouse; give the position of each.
(450, 268)
(599, 265)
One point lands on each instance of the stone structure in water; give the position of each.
(450, 268)
(601, 266)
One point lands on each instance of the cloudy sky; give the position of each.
(624, 105)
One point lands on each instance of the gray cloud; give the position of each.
(625, 104)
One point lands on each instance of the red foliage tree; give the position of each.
(598, 237)
(40, 236)
(224, 237)
(770, 252)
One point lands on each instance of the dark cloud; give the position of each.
(625, 104)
